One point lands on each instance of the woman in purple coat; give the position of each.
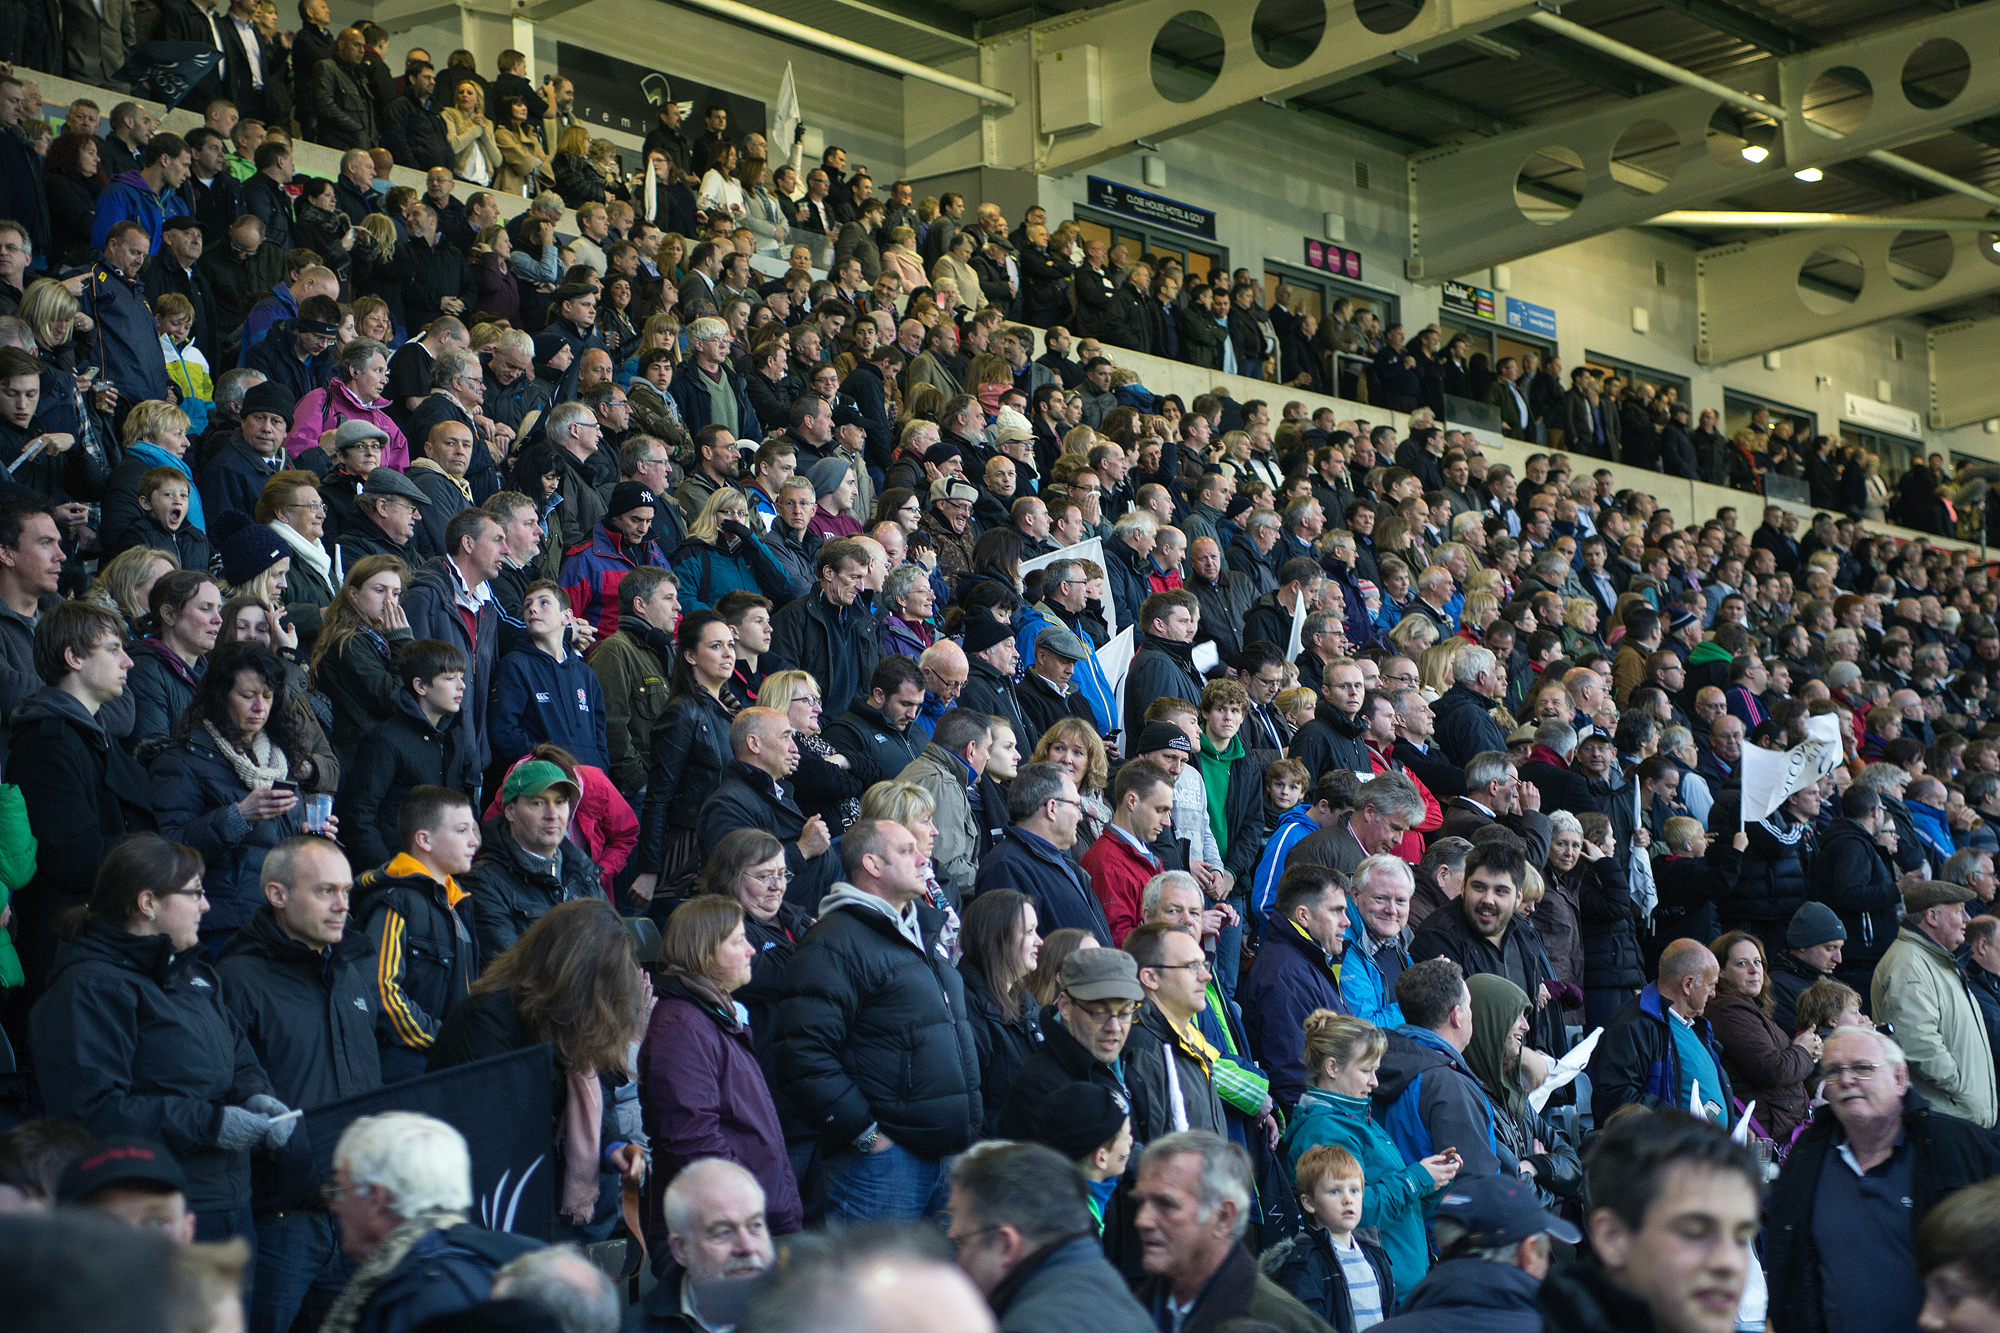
(700, 1087)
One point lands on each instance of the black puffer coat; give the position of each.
(1331, 741)
(404, 752)
(195, 791)
(874, 1030)
(1769, 877)
(132, 1040)
(1854, 876)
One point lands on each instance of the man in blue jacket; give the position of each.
(1378, 938)
(148, 196)
(125, 342)
(1429, 1099)
(1033, 853)
(1296, 972)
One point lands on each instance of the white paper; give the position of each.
(1115, 659)
(1769, 776)
(1565, 1071)
(1206, 657)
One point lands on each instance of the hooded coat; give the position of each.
(1919, 990)
(1429, 1100)
(1395, 1201)
(873, 1030)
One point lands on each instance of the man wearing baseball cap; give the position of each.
(618, 545)
(1083, 1041)
(134, 1180)
(530, 864)
(298, 352)
(1494, 1240)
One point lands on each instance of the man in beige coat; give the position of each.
(1919, 991)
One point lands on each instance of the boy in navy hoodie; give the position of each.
(417, 745)
(544, 692)
(162, 523)
(1335, 1267)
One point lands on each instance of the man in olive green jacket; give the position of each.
(1918, 989)
(636, 668)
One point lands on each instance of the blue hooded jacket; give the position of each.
(1294, 827)
(1429, 1100)
(1932, 829)
(130, 199)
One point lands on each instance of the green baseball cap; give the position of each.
(535, 777)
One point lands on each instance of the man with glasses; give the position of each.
(1032, 855)
(945, 670)
(1919, 991)
(1858, 1182)
(1083, 1039)
(1174, 973)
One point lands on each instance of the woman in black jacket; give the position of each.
(354, 658)
(74, 175)
(572, 981)
(1613, 967)
(132, 1039)
(749, 866)
(1001, 945)
(690, 750)
(322, 228)
(167, 663)
(824, 783)
(229, 787)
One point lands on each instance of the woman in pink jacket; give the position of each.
(354, 394)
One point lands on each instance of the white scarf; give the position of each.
(303, 549)
(264, 767)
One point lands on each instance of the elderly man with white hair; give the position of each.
(402, 1187)
(1378, 935)
(564, 1282)
(1465, 726)
(1858, 1182)
(716, 1233)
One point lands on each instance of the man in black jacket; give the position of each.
(87, 792)
(529, 864)
(873, 1035)
(1643, 1059)
(300, 986)
(991, 656)
(338, 96)
(877, 735)
(828, 632)
(414, 130)
(1335, 738)
(1874, 1162)
(436, 279)
(753, 794)
(1163, 668)
(1482, 934)
(1853, 875)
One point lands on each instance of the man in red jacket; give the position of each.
(1119, 862)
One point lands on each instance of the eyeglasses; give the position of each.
(317, 507)
(334, 1193)
(960, 1242)
(1103, 1016)
(1861, 1073)
(1199, 967)
(772, 878)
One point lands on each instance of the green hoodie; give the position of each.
(1214, 767)
(1708, 651)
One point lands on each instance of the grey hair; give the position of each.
(232, 385)
(1383, 863)
(707, 327)
(678, 1207)
(1393, 795)
(1674, 737)
(1487, 767)
(1134, 520)
(453, 366)
(1562, 821)
(1841, 674)
(1156, 889)
(1880, 777)
(564, 1282)
(419, 1162)
(1557, 735)
(517, 341)
(1471, 664)
(1890, 1050)
(357, 354)
(1261, 518)
(564, 417)
(1958, 870)
(1225, 1172)
(901, 579)
(1032, 788)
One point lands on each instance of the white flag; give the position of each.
(785, 120)
(1769, 776)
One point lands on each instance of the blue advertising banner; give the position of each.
(1133, 203)
(1530, 318)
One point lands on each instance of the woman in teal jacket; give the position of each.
(1342, 1054)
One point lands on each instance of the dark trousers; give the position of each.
(222, 1224)
(300, 1271)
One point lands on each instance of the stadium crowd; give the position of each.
(1096, 861)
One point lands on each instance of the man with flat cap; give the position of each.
(1920, 993)
(1047, 693)
(1083, 1036)
(386, 517)
(949, 522)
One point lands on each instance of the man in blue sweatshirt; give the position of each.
(544, 692)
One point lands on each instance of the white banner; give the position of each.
(1114, 659)
(1769, 776)
(785, 119)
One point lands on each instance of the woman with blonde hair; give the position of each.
(824, 781)
(1074, 746)
(900, 257)
(66, 408)
(724, 554)
(1414, 634)
(125, 582)
(375, 274)
(1434, 666)
(577, 181)
(475, 155)
(156, 435)
(1342, 1055)
(1579, 631)
(1077, 443)
(372, 319)
(763, 214)
(1480, 610)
